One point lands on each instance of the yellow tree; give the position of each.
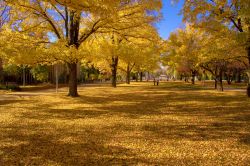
(72, 23)
(150, 59)
(139, 57)
(182, 50)
(4, 18)
(130, 54)
(218, 51)
(138, 53)
(126, 47)
(210, 14)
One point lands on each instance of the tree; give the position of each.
(4, 18)
(73, 23)
(182, 50)
(210, 14)
(123, 51)
(139, 55)
(194, 49)
(219, 50)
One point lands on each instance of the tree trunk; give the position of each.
(248, 53)
(248, 90)
(181, 77)
(229, 79)
(128, 74)
(193, 77)
(238, 76)
(216, 79)
(185, 79)
(221, 80)
(1, 71)
(141, 73)
(248, 73)
(229, 82)
(114, 70)
(215, 83)
(204, 77)
(248, 85)
(24, 76)
(136, 76)
(50, 75)
(72, 79)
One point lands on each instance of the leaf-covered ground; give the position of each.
(139, 124)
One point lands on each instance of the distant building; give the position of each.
(163, 77)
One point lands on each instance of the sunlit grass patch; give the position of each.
(141, 124)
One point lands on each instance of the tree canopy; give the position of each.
(65, 30)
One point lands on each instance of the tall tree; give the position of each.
(183, 48)
(72, 24)
(210, 13)
(139, 54)
(4, 18)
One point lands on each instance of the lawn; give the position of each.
(137, 124)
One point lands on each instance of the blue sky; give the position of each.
(171, 18)
(170, 21)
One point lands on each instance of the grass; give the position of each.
(138, 124)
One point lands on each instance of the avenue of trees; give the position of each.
(119, 36)
(215, 41)
(69, 32)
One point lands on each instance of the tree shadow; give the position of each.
(85, 134)
(63, 147)
(6, 102)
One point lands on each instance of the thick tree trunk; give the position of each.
(72, 79)
(141, 74)
(114, 70)
(72, 34)
(248, 90)
(128, 74)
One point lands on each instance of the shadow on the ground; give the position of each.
(64, 136)
(64, 148)
(6, 102)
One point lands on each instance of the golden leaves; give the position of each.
(44, 20)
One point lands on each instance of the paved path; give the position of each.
(17, 95)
